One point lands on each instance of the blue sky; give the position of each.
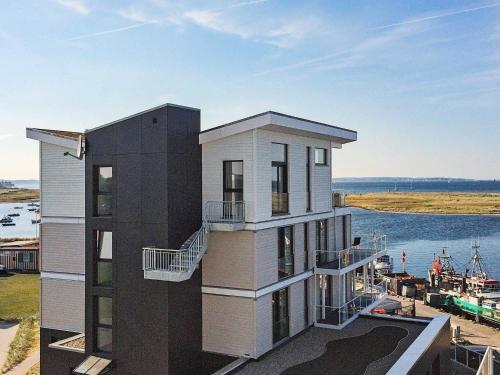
(419, 80)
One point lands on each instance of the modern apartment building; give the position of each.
(167, 250)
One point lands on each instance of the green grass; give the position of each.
(19, 296)
(23, 342)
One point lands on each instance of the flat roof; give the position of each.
(328, 351)
(276, 121)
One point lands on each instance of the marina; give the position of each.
(18, 220)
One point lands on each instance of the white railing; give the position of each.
(342, 258)
(473, 358)
(179, 265)
(225, 211)
(339, 315)
(487, 366)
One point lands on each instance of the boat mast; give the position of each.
(478, 270)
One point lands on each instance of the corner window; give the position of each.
(103, 181)
(285, 252)
(233, 181)
(279, 183)
(320, 156)
(104, 246)
(103, 324)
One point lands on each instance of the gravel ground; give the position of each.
(313, 344)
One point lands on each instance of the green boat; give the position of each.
(476, 295)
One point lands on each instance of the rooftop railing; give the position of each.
(483, 363)
(342, 258)
(225, 212)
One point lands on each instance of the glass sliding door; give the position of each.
(285, 252)
(280, 315)
(232, 188)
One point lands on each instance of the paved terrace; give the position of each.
(368, 345)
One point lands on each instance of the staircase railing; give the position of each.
(179, 265)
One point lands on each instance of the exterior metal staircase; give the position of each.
(179, 265)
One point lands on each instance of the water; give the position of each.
(23, 227)
(422, 236)
(472, 186)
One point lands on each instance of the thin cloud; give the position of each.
(111, 31)
(77, 6)
(245, 3)
(437, 16)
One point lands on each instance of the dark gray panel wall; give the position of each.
(156, 162)
(56, 361)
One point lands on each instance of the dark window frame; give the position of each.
(306, 246)
(325, 157)
(98, 259)
(282, 249)
(98, 325)
(286, 319)
(96, 192)
(226, 189)
(321, 256)
(308, 179)
(280, 166)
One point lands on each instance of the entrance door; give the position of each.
(280, 315)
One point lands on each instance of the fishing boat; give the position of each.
(14, 214)
(472, 292)
(36, 221)
(8, 224)
(384, 265)
(32, 204)
(6, 219)
(18, 208)
(32, 209)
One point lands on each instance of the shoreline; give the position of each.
(19, 195)
(420, 213)
(428, 203)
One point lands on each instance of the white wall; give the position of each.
(62, 181)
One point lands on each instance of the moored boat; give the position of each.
(6, 219)
(471, 292)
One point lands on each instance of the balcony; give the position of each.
(225, 215)
(280, 203)
(338, 198)
(339, 317)
(335, 262)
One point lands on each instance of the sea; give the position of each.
(422, 237)
(419, 236)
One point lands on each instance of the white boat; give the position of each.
(384, 264)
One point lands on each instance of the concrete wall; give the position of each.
(56, 361)
(62, 305)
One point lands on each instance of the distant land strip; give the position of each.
(12, 195)
(429, 203)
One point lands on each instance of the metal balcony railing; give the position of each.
(342, 258)
(340, 315)
(483, 361)
(225, 212)
(338, 198)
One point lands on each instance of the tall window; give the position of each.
(103, 181)
(280, 315)
(285, 252)
(321, 241)
(308, 179)
(306, 303)
(104, 246)
(279, 182)
(306, 246)
(233, 181)
(103, 324)
(320, 156)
